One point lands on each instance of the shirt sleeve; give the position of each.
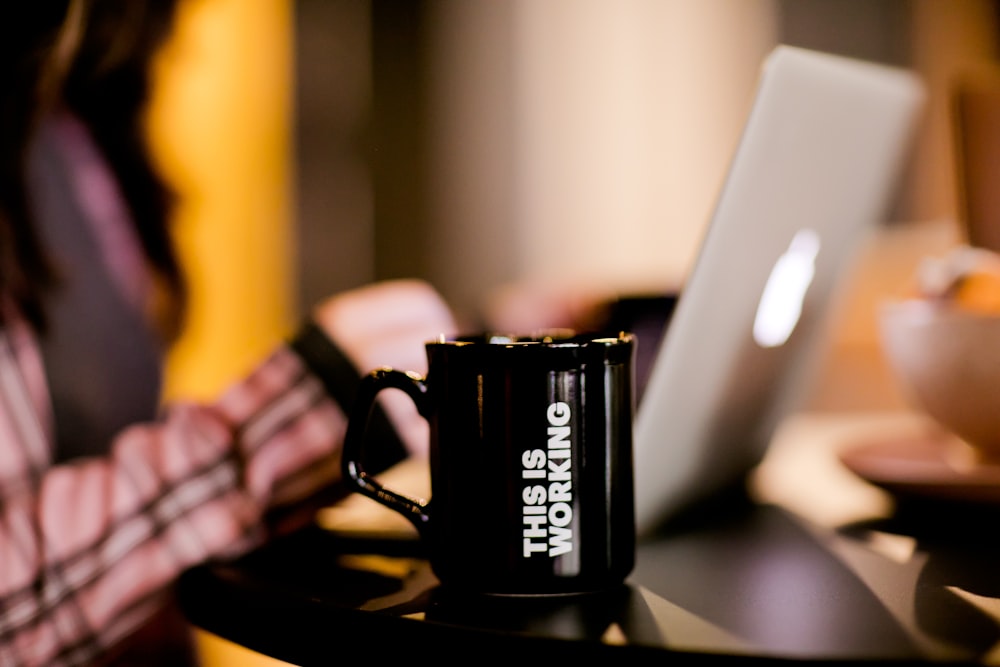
(88, 549)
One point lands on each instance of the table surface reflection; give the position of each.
(744, 579)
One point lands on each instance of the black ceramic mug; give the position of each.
(530, 456)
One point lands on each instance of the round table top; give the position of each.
(739, 580)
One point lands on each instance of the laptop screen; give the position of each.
(814, 172)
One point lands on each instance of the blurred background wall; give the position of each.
(221, 125)
(322, 144)
(572, 141)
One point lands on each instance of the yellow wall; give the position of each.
(220, 125)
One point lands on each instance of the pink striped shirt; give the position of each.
(89, 549)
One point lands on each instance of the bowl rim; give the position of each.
(930, 309)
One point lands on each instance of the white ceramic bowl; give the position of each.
(947, 361)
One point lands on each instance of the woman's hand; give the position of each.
(387, 324)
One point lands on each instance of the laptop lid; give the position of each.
(814, 172)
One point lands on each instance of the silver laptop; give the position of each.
(815, 171)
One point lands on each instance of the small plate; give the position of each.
(935, 466)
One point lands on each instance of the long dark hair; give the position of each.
(108, 86)
(28, 35)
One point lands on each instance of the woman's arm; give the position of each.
(88, 549)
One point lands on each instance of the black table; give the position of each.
(735, 581)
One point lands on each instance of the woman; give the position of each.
(105, 497)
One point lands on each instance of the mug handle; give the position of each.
(415, 386)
